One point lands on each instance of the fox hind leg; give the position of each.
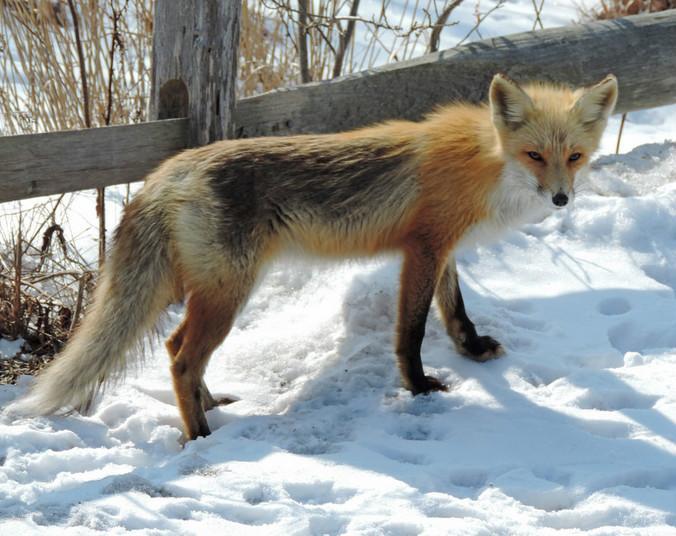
(209, 317)
(173, 344)
(458, 325)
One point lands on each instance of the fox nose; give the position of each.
(560, 199)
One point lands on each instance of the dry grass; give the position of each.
(39, 69)
(45, 47)
(44, 282)
(614, 9)
(283, 45)
(41, 86)
(265, 61)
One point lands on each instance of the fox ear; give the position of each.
(597, 102)
(509, 103)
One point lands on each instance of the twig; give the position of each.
(619, 134)
(115, 42)
(83, 72)
(44, 222)
(302, 42)
(441, 23)
(538, 12)
(325, 37)
(100, 192)
(86, 277)
(45, 277)
(344, 40)
(25, 284)
(331, 19)
(47, 242)
(16, 305)
(480, 19)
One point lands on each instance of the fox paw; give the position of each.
(428, 385)
(210, 402)
(482, 348)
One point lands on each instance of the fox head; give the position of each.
(550, 132)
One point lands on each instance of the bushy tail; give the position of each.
(132, 292)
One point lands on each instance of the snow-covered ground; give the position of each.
(573, 430)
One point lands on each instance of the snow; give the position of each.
(10, 348)
(573, 430)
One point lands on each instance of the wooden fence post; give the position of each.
(194, 69)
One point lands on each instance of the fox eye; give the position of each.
(574, 156)
(535, 156)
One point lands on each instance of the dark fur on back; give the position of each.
(272, 183)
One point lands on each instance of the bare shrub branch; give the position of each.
(440, 24)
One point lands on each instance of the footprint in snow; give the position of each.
(607, 429)
(411, 431)
(613, 306)
(468, 478)
(400, 455)
(318, 492)
(614, 400)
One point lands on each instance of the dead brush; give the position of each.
(44, 284)
(614, 9)
(290, 42)
(63, 65)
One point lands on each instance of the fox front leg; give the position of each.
(458, 325)
(418, 278)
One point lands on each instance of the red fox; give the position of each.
(208, 219)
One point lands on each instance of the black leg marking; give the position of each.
(418, 279)
(458, 325)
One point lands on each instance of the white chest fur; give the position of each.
(513, 202)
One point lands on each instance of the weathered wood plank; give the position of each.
(195, 51)
(57, 162)
(639, 50)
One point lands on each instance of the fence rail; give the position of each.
(639, 50)
(57, 162)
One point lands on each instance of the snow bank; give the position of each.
(573, 430)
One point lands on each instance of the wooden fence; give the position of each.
(639, 50)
